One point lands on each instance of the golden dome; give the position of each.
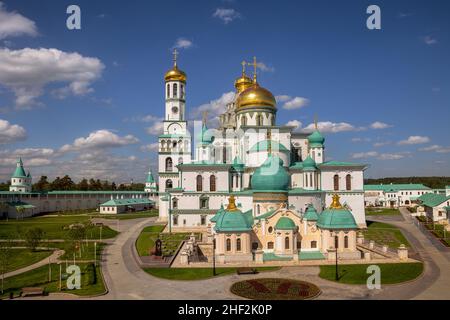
(255, 96)
(175, 74)
(243, 83)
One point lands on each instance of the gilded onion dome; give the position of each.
(255, 96)
(242, 83)
(175, 74)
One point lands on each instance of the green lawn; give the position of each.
(195, 273)
(438, 231)
(146, 239)
(87, 250)
(55, 227)
(382, 212)
(357, 274)
(383, 233)
(134, 215)
(24, 257)
(91, 283)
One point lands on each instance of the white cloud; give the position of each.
(283, 98)
(331, 127)
(436, 148)
(295, 103)
(391, 156)
(361, 139)
(362, 155)
(226, 15)
(11, 132)
(429, 40)
(381, 144)
(27, 71)
(183, 43)
(155, 129)
(414, 140)
(265, 68)
(13, 24)
(100, 139)
(150, 147)
(379, 125)
(379, 156)
(214, 108)
(294, 123)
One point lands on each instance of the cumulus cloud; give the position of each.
(13, 24)
(294, 123)
(429, 40)
(436, 148)
(361, 139)
(11, 132)
(362, 155)
(265, 68)
(331, 127)
(379, 125)
(155, 129)
(214, 108)
(295, 103)
(282, 98)
(100, 139)
(381, 144)
(379, 156)
(414, 140)
(150, 147)
(226, 15)
(183, 43)
(27, 71)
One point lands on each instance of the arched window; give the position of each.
(313, 244)
(243, 120)
(175, 220)
(270, 245)
(258, 209)
(270, 230)
(259, 120)
(182, 92)
(306, 182)
(169, 164)
(346, 242)
(212, 183)
(174, 203)
(336, 182)
(228, 245)
(311, 180)
(336, 242)
(168, 90)
(175, 90)
(238, 244)
(224, 152)
(348, 182)
(199, 183)
(169, 184)
(286, 243)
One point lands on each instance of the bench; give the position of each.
(246, 271)
(29, 291)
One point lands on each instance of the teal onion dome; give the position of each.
(309, 164)
(316, 139)
(271, 175)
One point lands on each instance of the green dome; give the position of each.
(229, 221)
(19, 172)
(150, 178)
(285, 223)
(336, 219)
(271, 175)
(309, 164)
(311, 214)
(205, 137)
(316, 139)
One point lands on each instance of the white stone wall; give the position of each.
(189, 180)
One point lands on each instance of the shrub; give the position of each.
(33, 237)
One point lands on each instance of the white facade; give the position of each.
(394, 195)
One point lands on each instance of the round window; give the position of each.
(270, 229)
(174, 109)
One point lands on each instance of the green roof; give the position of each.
(270, 256)
(285, 223)
(233, 221)
(310, 255)
(22, 204)
(311, 214)
(432, 199)
(266, 215)
(309, 164)
(316, 139)
(336, 219)
(19, 172)
(395, 187)
(150, 178)
(271, 175)
(126, 202)
(264, 146)
(340, 164)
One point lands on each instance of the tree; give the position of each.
(5, 257)
(20, 211)
(83, 185)
(42, 185)
(67, 183)
(4, 209)
(33, 237)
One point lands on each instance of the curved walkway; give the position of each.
(53, 259)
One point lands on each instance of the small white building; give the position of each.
(393, 195)
(436, 207)
(115, 206)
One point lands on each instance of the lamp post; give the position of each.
(337, 270)
(214, 257)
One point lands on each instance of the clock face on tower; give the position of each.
(174, 109)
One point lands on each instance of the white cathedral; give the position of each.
(264, 166)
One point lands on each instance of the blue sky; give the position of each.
(88, 102)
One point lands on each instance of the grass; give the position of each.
(21, 258)
(382, 212)
(55, 227)
(147, 238)
(91, 284)
(134, 215)
(87, 251)
(357, 274)
(195, 273)
(438, 231)
(385, 234)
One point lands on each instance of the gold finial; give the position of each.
(243, 63)
(255, 67)
(205, 116)
(175, 56)
(231, 204)
(315, 122)
(335, 204)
